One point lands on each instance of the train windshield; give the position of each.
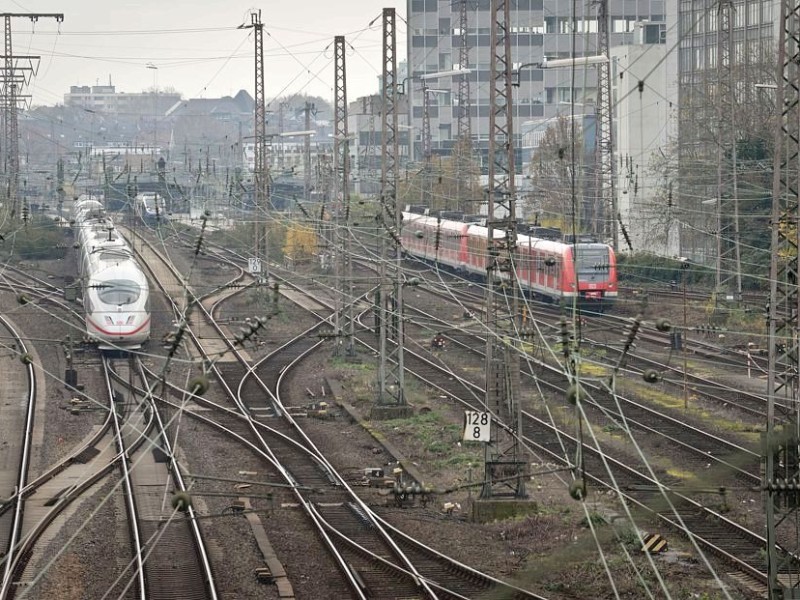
(119, 292)
(592, 262)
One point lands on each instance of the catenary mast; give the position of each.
(782, 436)
(502, 299)
(391, 385)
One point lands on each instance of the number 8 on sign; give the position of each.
(477, 426)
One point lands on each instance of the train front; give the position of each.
(118, 309)
(596, 271)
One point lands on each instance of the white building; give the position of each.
(645, 119)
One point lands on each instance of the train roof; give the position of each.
(410, 219)
(483, 231)
(100, 234)
(88, 209)
(86, 204)
(115, 271)
(541, 244)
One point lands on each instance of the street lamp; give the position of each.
(426, 120)
(424, 77)
(583, 61)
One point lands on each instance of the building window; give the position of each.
(752, 13)
(767, 12)
(622, 25)
(699, 63)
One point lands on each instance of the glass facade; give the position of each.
(540, 30)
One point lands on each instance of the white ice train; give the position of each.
(150, 207)
(116, 295)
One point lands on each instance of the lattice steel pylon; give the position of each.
(606, 194)
(341, 167)
(260, 169)
(728, 264)
(781, 441)
(12, 84)
(391, 384)
(464, 118)
(464, 139)
(504, 456)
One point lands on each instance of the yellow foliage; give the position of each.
(301, 242)
(555, 222)
(789, 232)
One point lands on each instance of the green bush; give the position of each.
(38, 239)
(641, 268)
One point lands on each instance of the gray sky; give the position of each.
(196, 48)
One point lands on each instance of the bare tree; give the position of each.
(555, 170)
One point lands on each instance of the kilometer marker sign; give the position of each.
(477, 426)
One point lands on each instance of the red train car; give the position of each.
(556, 271)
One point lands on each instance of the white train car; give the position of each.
(150, 207)
(116, 295)
(116, 300)
(552, 270)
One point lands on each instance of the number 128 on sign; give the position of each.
(477, 426)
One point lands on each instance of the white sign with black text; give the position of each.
(477, 426)
(254, 265)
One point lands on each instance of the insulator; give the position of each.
(181, 501)
(663, 324)
(199, 385)
(574, 393)
(577, 489)
(651, 376)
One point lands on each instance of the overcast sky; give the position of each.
(196, 48)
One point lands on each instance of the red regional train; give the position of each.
(547, 269)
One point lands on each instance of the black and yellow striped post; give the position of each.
(653, 543)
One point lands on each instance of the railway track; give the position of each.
(18, 432)
(256, 413)
(170, 557)
(724, 538)
(643, 490)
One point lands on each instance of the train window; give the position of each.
(119, 292)
(547, 262)
(592, 262)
